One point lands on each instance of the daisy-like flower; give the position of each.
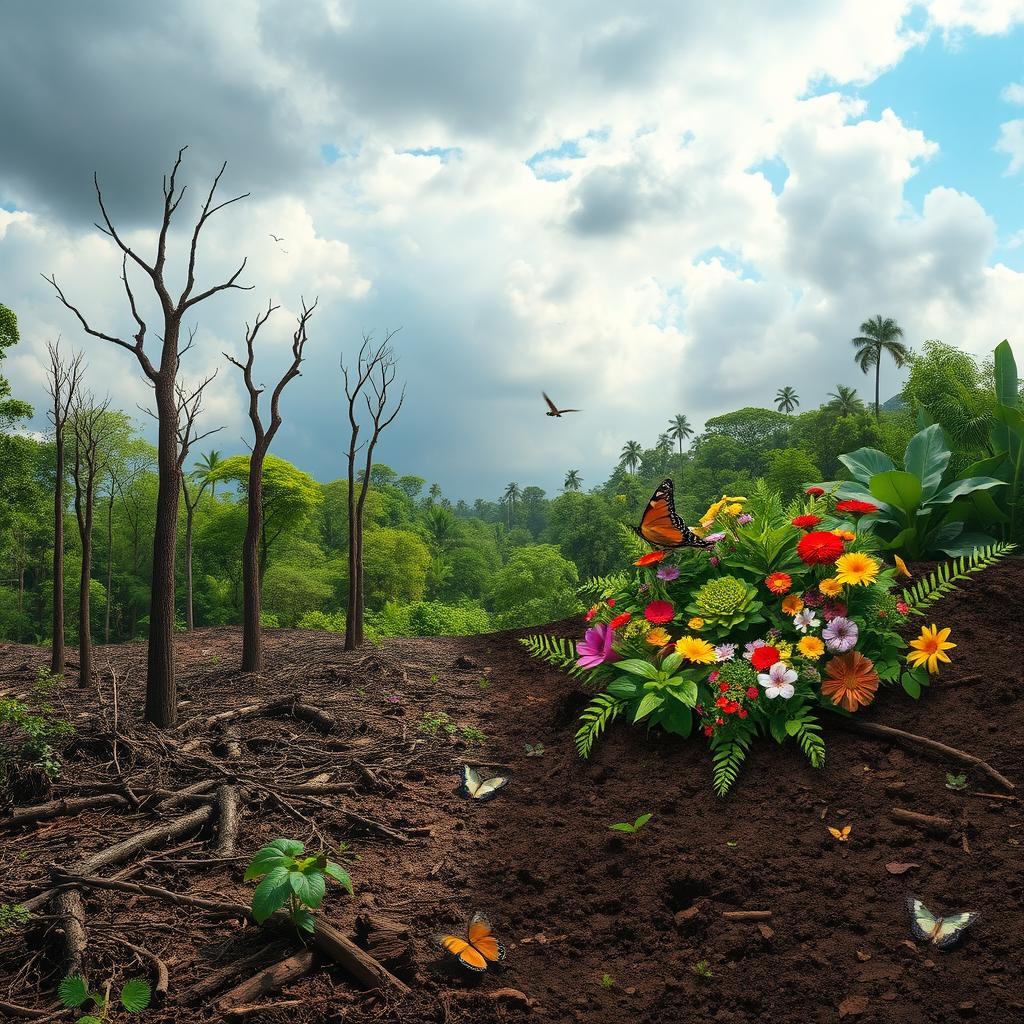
(692, 648)
(658, 637)
(811, 647)
(696, 623)
(764, 657)
(650, 558)
(815, 492)
(805, 620)
(901, 566)
(748, 649)
(840, 634)
(778, 681)
(806, 522)
(725, 652)
(845, 534)
(668, 573)
(851, 681)
(714, 538)
(831, 587)
(857, 569)
(792, 604)
(819, 547)
(856, 507)
(596, 647)
(659, 612)
(744, 519)
(778, 582)
(620, 620)
(930, 648)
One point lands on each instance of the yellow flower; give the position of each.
(734, 506)
(658, 637)
(692, 648)
(901, 566)
(845, 534)
(793, 605)
(785, 649)
(696, 623)
(734, 509)
(930, 648)
(831, 587)
(811, 647)
(856, 568)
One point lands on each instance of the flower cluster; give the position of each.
(784, 617)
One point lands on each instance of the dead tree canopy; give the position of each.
(368, 383)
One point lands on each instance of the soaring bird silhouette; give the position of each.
(276, 239)
(555, 411)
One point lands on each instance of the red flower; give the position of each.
(743, 712)
(659, 612)
(620, 620)
(722, 702)
(723, 687)
(591, 613)
(779, 582)
(902, 607)
(819, 547)
(650, 559)
(764, 657)
(815, 492)
(855, 506)
(752, 692)
(611, 603)
(719, 721)
(708, 730)
(805, 522)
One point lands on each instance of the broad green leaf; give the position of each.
(339, 874)
(671, 663)
(986, 467)
(647, 705)
(965, 544)
(264, 861)
(73, 991)
(674, 717)
(927, 457)
(304, 921)
(625, 689)
(903, 490)
(622, 826)
(309, 887)
(641, 821)
(793, 726)
(638, 667)
(1005, 374)
(986, 510)
(865, 463)
(685, 691)
(271, 894)
(911, 685)
(135, 995)
(777, 727)
(290, 847)
(958, 488)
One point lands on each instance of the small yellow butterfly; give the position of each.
(901, 566)
(842, 835)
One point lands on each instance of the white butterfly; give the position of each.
(942, 932)
(476, 787)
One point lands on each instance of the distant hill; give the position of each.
(895, 404)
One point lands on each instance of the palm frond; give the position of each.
(600, 588)
(943, 579)
(555, 650)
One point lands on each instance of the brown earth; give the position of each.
(572, 901)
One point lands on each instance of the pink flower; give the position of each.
(595, 648)
(668, 573)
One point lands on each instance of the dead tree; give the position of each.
(161, 689)
(90, 429)
(62, 385)
(252, 637)
(375, 371)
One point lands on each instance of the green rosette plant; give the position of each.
(725, 603)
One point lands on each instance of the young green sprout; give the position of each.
(956, 782)
(534, 749)
(702, 969)
(607, 981)
(74, 992)
(631, 828)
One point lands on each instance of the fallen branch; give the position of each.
(228, 804)
(228, 909)
(924, 821)
(270, 979)
(747, 915)
(251, 1008)
(159, 969)
(60, 808)
(204, 988)
(70, 911)
(363, 967)
(197, 789)
(899, 736)
(29, 1013)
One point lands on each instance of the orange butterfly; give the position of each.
(660, 524)
(843, 834)
(477, 950)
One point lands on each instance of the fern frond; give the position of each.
(555, 650)
(601, 712)
(633, 544)
(943, 579)
(600, 588)
(808, 735)
(727, 756)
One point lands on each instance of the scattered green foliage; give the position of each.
(293, 879)
(436, 723)
(484, 683)
(26, 735)
(702, 969)
(534, 749)
(607, 981)
(474, 737)
(74, 993)
(46, 682)
(12, 917)
(942, 580)
(601, 712)
(555, 650)
(631, 827)
(956, 782)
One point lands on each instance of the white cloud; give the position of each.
(989, 17)
(1011, 142)
(1013, 93)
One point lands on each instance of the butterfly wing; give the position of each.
(660, 524)
(471, 782)
(483, 941)
(951, 929)
(462, 951)
(922, 921)
(488, 789)
(836, 834)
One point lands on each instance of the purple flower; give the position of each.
(716, 561)
(393, 700)
(744, 519)
(840, 634)
(596, 646)
(748, 649)
(714, 538)
(668, 573)
(725, 652)
(833, 610)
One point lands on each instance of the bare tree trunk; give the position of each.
(189, 619)
(110, 561)
(57, 655)
(252, 635)
(878, 380)
(85, 616)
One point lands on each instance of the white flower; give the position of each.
(805, 620)
(778, 681)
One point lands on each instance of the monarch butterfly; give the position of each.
(842, 835)
(479, 949)
(476, 787)
(660, 524)
(941, 932)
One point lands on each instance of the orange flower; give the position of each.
(650, 558)
(901, 566)
(779, 582)
(793, 605)
(845, 534)
(658, 637)
(852, 680)
(830, 587)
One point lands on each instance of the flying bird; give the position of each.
(555, 411)
(276, 239)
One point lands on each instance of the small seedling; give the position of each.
(473, 736)
(12, 917)
(731, 843)
(955, 782)
(74, 992)
(534, 749)
(484, 683)
(702, 969)
(292, 879)
(360, 691)
(346, 854)
(435, 678)
(607, 981)
(435, 724)
(631, 828)
(215, 660)
(46, 682)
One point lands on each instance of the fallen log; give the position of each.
(228, 803)
(363, 967)
(929, 822)
(70, 912)
(197, 789)
(60, 808)
(388, 941)
(270, 979)
(747, 915)
(250, 1008)
(205, 987)
(900, 736)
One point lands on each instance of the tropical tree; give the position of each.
(206, 468)
(573, 481)
(631, 454)
(786, 399)
(433, 494)
(879, 336)
(679, 429)
(441, 528)
(510, 497)
(844, 401)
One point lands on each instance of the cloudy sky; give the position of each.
(677, 210)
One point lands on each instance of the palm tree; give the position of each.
(879, 335)
(510, 497)
(631, 453)
(845, 401)
(205, 468)
(679, 429)
(573, 481)
(786, 399)
(433, 494)
(441, 527)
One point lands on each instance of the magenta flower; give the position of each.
(715, 561)
(840, 634)
(714, 538)
(595, 648)
(744, 519)
(668, 573)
